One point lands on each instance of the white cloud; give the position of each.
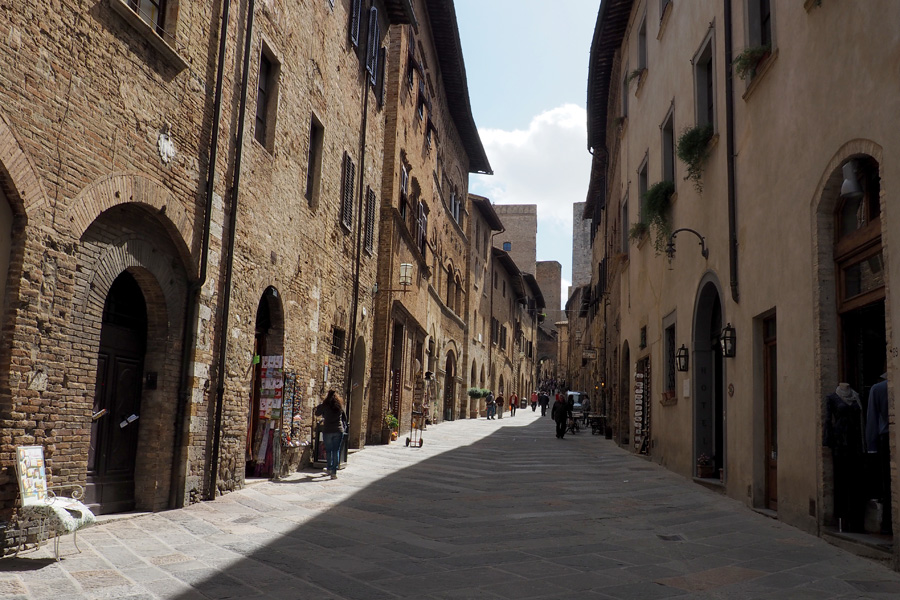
(548, 165)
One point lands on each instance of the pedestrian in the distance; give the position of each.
(513, 404)
(491, 405)
(500, 402)
(534, 400)
(334, 428)
(560, 413)
(544, 399)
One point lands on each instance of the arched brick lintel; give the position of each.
(20, 181)
(136, 188)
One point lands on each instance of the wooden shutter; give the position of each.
(347, 192)
(355, 14)
(372, 48)
(370, 220)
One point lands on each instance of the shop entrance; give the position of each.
(117, 399)
(450, 388)
(624, 397)
(709, 407)
(264, 419)
(357, 387)
(770, 410)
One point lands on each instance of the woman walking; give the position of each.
(334, 428)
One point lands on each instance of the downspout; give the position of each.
(348, 372)
(491, 310)
(729, 127)
(176, 500)
(229, 264)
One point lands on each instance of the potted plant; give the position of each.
(656, 215)
(474, 392)
(692, 149)
(634, 75)
(705, 468)
(393, 424)
(749, 59)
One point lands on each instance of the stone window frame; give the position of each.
(704, 67)
(314, 160)
(163, 35)
(348, 184)
(369, 234)
(267, 97)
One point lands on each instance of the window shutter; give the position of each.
(355, 14)
(347, 196)
(372, 48)
(370, 220)
(379, 82)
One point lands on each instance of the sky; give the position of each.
(526, 67)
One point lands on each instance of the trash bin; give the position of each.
(523, 403)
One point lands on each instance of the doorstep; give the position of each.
(873, 546)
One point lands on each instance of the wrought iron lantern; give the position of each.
(406, 274)
(681, 359)
(728, 341)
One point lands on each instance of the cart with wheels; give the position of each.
(418, 425)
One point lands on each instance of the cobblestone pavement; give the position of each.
(485, 509)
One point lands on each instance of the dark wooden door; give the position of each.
(117, 399)
(770, 400)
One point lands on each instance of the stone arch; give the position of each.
(140, 190)
(18, 177)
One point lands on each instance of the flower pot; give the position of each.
(705, 471)
(393, 436)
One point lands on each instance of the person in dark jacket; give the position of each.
(544, 400)
(334, 428)
(560, 413)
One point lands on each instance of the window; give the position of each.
(152, 12)
(668, 147)
(404, 191)
(449, 289)
(422, 237)
(495, 280)
(347, 186)
(625, 94)
(420, 101)
(372, 47)
(337, 341)
(314, 160)
(369, 241)
(625, 226)
(663, 5)
(355, 19)
(411, 64)
(504, 289)
(507, 246)
(704, 85)
(759, 13)
(642, 191)
(503, 338)
(266, 99)
(642, 45)
(495, 330)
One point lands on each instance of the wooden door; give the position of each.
(770, 400)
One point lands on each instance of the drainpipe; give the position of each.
(229, 265)
(348, 372)
(176, 500)
(729, 127)
(491, 305)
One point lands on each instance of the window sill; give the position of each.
(161, 45)
(640, 83)
(664, 20)
(761, 70)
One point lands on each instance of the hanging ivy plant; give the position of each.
(656, 208)
(746, 62)
(637, 231)
(692, 149)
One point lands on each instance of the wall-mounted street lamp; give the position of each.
(670, 247)
(728, 341)
(405, 280)
(681, 359)
(850, 188)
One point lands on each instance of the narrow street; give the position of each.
(485, 509)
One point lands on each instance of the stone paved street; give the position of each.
(485, 509)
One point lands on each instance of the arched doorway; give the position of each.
(268, 350)
(709, 405)
(117, 398)
(357, 389)
(450, 387)
(853, 338)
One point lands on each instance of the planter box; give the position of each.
(705, 471)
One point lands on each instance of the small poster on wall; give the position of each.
(32, 476)
(271, 376)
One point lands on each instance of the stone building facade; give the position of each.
(776, 284)
(581, 246)
(421, 336)
(519, 237)
(143, 274)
